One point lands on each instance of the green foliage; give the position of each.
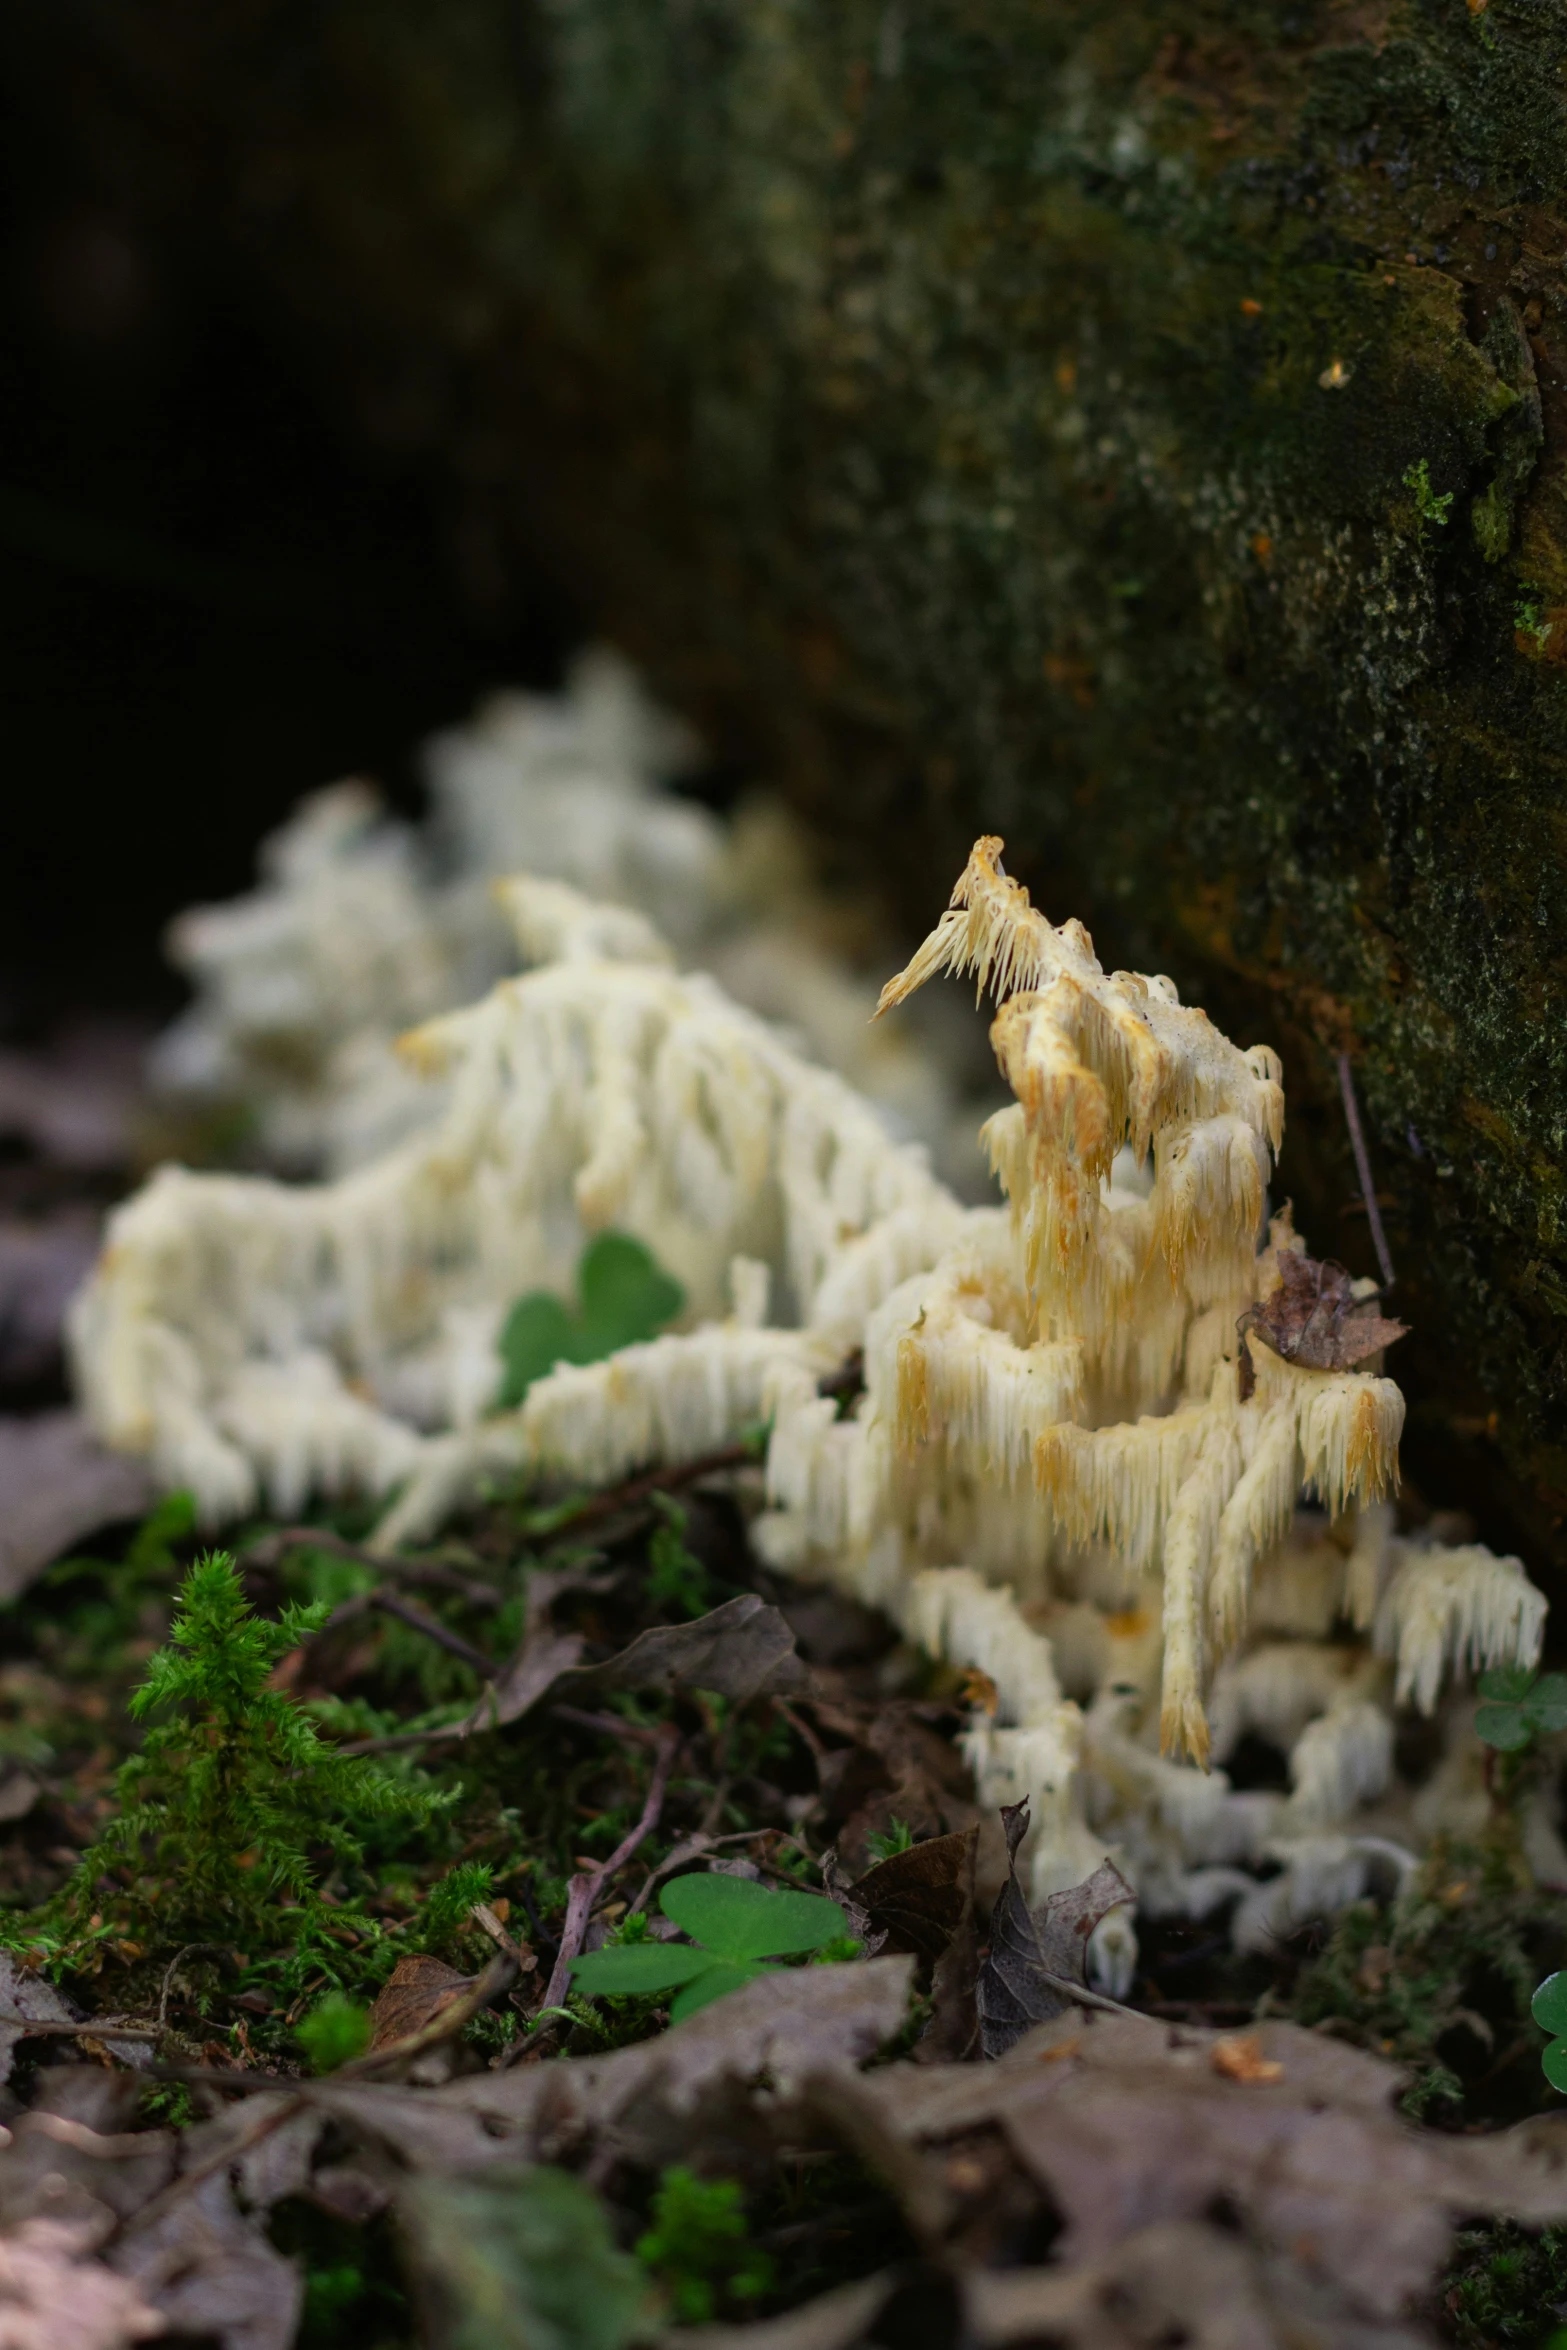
(837, 1952)
(1508, 2288)
(234, 1794)
(625, 1296)
(1549, 2009)
(1428, 505)
(1458, 1957)
(736, 1926)
(696, 2246)
(900, 1838)
(522, 2260)
(677, 1581)
(1517, 1708)
(336, 2030)
(450, 1902)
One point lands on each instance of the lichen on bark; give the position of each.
(1010, 417)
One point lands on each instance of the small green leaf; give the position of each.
(538, 1334)
(638, 1967)
(1503, 1726)
(1554, 2064)
(1546, 1703)
(1549, 2004)
(626, 1296)
(740, 1919)
(715, 1982)
(1506, 1684)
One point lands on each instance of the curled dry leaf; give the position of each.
(741, 1650)
(922, 1901)
(415, 1993)
(1314, 1318)
(1030, 1946)
(920, 1898)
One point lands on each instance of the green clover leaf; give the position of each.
(625, 1296)
(735, 1925)
(1516, 1708)
(1549, 2009)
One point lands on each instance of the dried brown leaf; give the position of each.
(741, 1650)
(415, 1993)
(1127, 2122)
(1029, 1946)
(212, 2273)
(657, 2098)
(1196, 2285)
(57, 1484)
(833, 2321)
(25, 1995)
(921, 1897)
(1314, 1318)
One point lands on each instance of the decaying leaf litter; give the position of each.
(363, 2092)
(1103, 2176)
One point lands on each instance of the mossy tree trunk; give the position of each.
(1136, 429)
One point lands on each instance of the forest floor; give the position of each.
(299, 1850)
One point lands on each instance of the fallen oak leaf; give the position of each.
(1314, 1318)
(1036, 1961)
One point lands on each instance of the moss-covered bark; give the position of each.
(1137, 429)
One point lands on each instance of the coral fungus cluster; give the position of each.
(1056, 1475)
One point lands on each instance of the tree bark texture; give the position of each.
(1137, 429)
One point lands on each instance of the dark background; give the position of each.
(209, 601)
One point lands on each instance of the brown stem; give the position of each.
(611, 1724)
(639, 1489)
(1357, 1143)
(420, 1620)
(273, 1547)
(585, 1888)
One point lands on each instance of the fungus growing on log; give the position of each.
(1054, 1474)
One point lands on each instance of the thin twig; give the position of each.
(273, 1547)
(485, 1918)
(1084, 1997)
(611, 1724)
(418, 1619)
(585, 1888)
(695, 1847)
(636, 1490)
(95, 2028)
(1357, 1143)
